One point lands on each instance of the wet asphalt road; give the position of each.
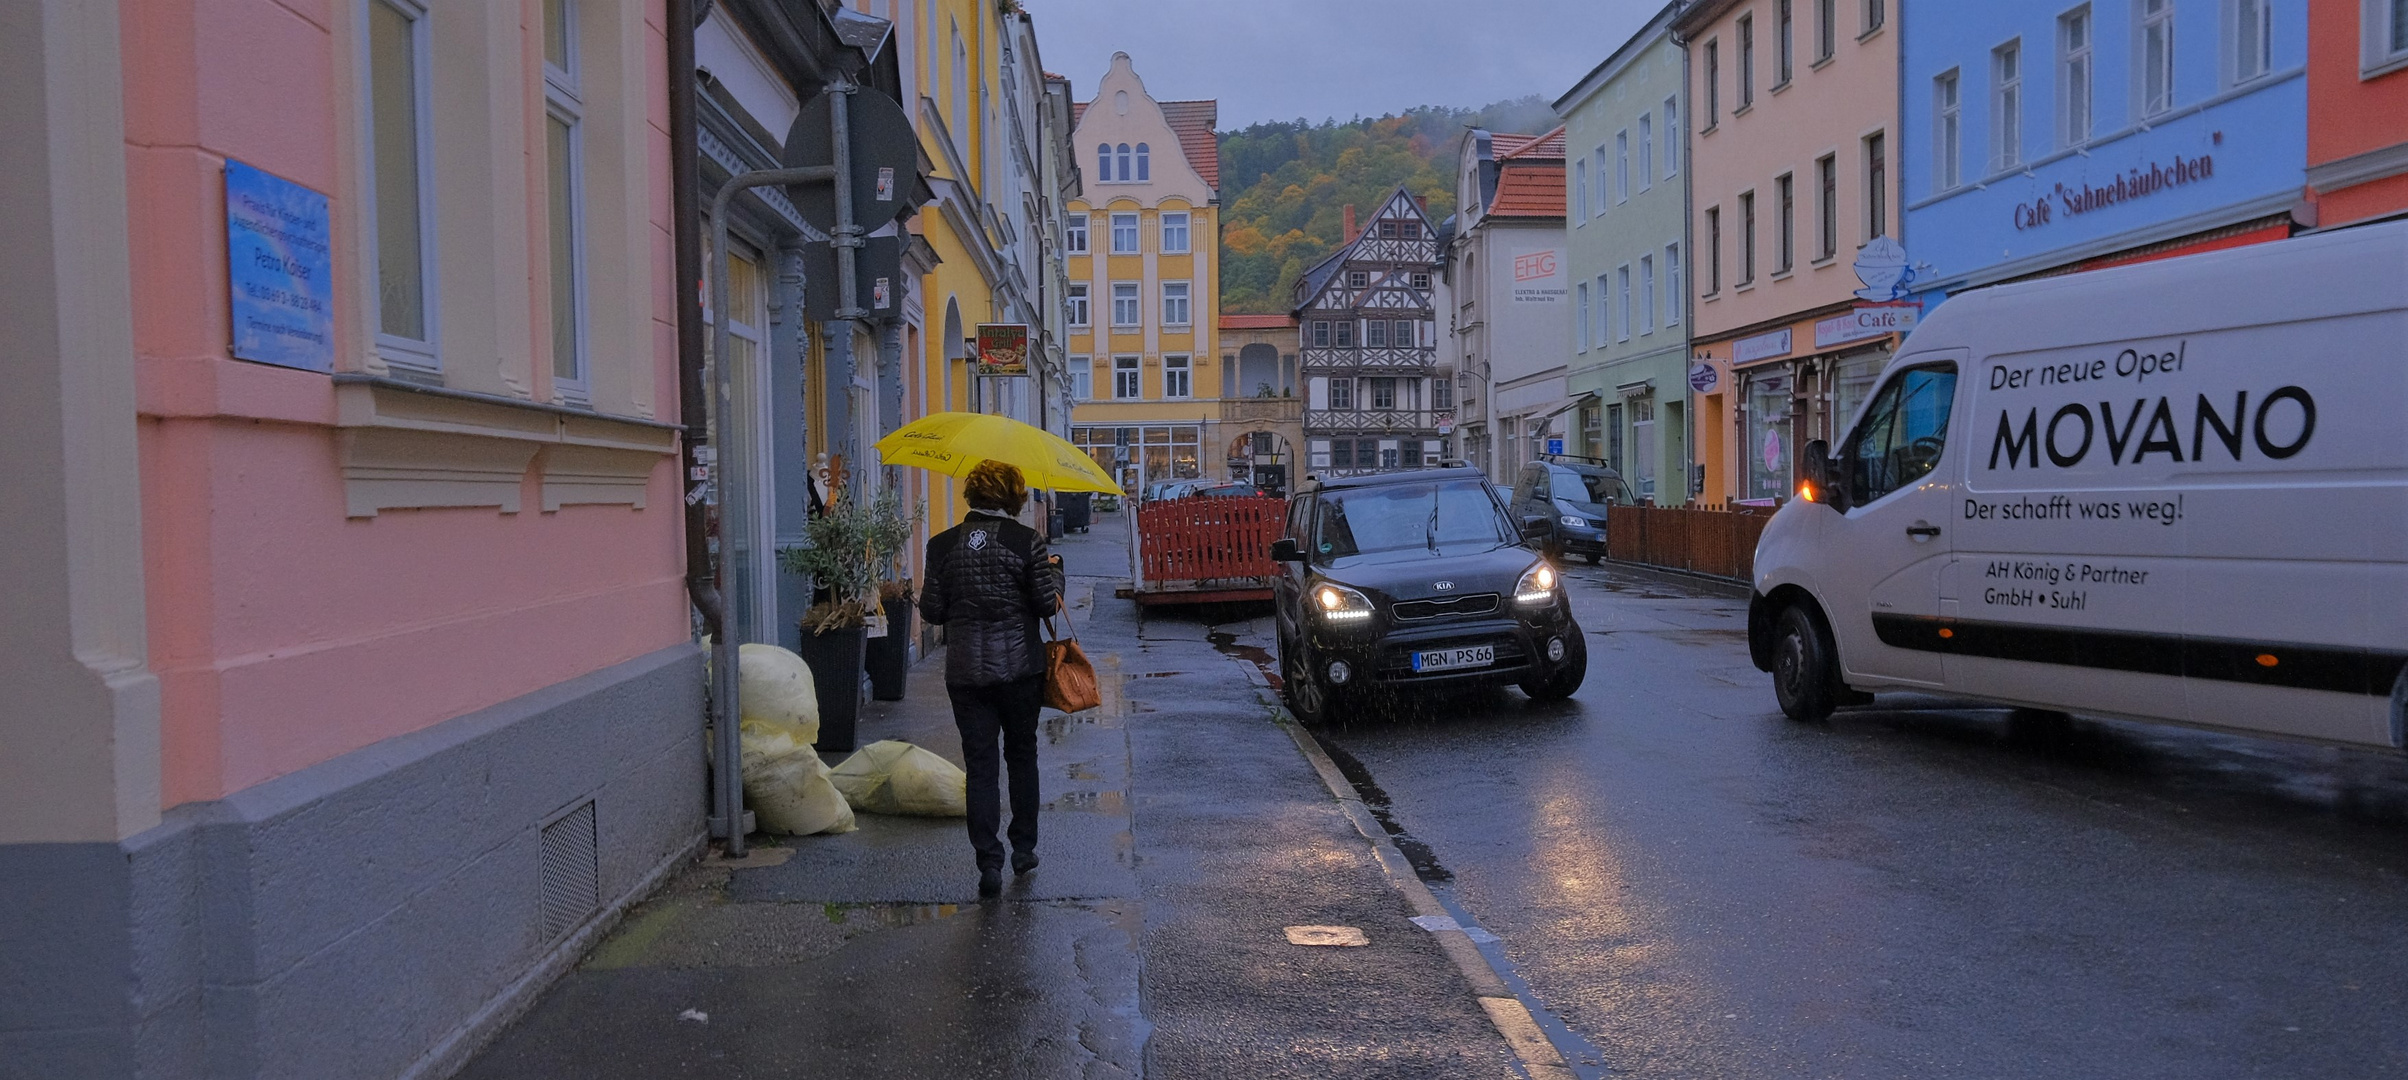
(1698, 887)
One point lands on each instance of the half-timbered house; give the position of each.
(1374, 397)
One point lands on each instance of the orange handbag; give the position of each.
(1070, 683)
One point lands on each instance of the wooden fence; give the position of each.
(1221, 547)
(1716, 541)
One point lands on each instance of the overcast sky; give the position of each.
(1281, 59)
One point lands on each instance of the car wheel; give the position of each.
(1804, 677)
(1595, 559)
(1566, 679)
(1306, 696)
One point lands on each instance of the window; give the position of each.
(1387, 230)
(2383, 35)
(1672, 285)
(1403, 336)
(1174, 233)
(1120, 162)
(1713, 83)
(1174, 303)
(1713, 250)
(1785, 190)
(1375, 335)
(1947, 129)
(2073, 77)
(1421, 282)
(1877, 185)
(1747, 238)
(2156, 56)
(1358, 279)
(1580, 317)
(1145, 163)
(1646, 294)
(1622, 300)
(1124, 377)
(1672, 137)
(1341, 454)
(1124, 303)
(1320, 335)
(1341, 394)
(1074, 234)
(1747, 61)
(1598, 193)
(1783, 48)
(1605, 307)
(2252, 39)
(564, 185)
(1902, 434)
(1346, 333)
(1580, 192)
(400, 182)
(1826, 186)
(1079, 315)
(1442, 392)
(1383, 393)
(1408, 230)
(1124, 234)
(1876, 13)
(1622, 166)
(1103, 163)
(1826, 29)
(1646, 152)
(1082, 379)
(1178, 378)
(2006, 106)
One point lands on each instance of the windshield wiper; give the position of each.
(1430, 527)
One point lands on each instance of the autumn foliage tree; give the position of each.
(1286, 185)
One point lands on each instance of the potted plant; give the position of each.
(889, 654)
(836, 553)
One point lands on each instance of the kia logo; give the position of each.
(1442, 586)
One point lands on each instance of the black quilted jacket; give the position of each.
(988, 584)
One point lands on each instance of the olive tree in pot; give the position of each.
(837, 553)
(889, 653)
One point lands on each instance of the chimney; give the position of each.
(1350, 224)
(1422, 201)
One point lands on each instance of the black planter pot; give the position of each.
(889, 657)
(835, 658)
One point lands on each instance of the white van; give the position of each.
(2173, 491)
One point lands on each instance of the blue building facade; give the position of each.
(2045, 135)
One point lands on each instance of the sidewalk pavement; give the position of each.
(1182, 832)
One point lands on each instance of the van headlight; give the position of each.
(1337, 603)
(1537, 585)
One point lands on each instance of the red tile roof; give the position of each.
(1235, 321)
(1529, 189)
(1192, 121)
(1507, 146)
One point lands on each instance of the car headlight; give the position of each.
(1537, 585)
(1337, 603)
(1574, 521)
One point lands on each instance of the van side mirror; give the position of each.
(1823, 476)
(1285, 550)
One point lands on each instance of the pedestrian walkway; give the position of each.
(1182, 833)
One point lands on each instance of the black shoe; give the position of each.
(990, 883)
(1023, 861)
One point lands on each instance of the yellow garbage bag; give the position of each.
(774, 688)
(788, 786)
(894, 777)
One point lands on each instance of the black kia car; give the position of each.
(1410, 579)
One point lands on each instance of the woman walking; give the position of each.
(989, 582)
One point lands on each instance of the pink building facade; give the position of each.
(349, 666)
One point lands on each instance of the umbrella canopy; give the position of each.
(954, 443)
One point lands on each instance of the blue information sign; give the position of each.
(280, 269)
(1555, 446)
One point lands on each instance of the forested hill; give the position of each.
(1284, 185)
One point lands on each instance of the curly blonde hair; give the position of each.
(994, 485)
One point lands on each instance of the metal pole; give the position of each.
(728, 762)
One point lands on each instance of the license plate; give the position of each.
(1446, 659)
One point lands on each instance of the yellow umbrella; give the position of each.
(954, 443)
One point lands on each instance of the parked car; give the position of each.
(1572, 500)
(1227, 491)
(1406, 580)
(2171, 491)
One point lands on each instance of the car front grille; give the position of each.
(1474, 604)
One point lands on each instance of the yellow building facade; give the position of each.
(1142, 244)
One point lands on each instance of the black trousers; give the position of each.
(982, 713)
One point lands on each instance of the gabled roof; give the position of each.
(1529, 190)
(1192, 121)
(1311, 282)
(1508, 147)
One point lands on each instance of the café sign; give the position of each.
(1866, 321)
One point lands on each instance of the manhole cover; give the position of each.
(1326, 935)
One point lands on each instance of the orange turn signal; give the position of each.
(1806, 491)
(2267, 659)
(1947, 633)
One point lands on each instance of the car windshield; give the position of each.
(1438, 517)
(1587, 488)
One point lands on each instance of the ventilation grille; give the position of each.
(1475, 604)
(571, 871)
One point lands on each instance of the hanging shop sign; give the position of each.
(1702, 377)
(1883, 267)
(277, 264)
(1003, 349)
(1867, 321)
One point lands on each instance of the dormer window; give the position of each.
(1358, 279)
(1387, 230)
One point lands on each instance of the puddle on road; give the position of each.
(1375, 799)
(888, 916)
(1226, 644)
(1160, 674)
(1094, 802)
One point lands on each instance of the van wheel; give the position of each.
(1804, 678)
(1595, 559)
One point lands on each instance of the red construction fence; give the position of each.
(1715, 540)
(1208, 545)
